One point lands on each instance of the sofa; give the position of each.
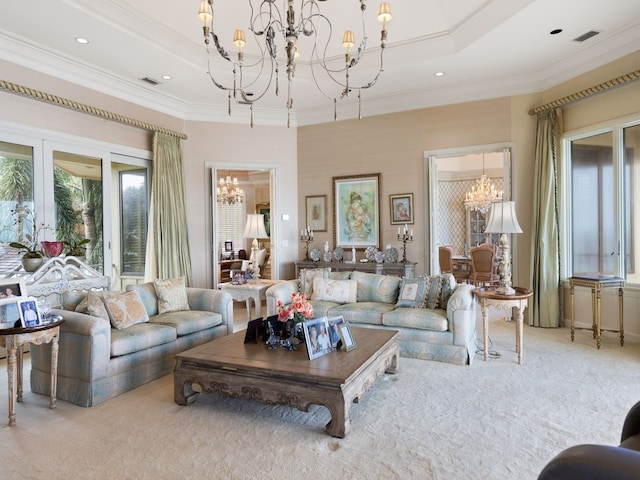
(604, 462)
(100, 357)
(435, 317)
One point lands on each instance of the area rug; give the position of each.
(431, 420)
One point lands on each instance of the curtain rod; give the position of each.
(83, 108)
(587, 92)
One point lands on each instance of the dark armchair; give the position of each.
(595, 462)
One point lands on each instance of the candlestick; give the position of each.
(405, 238)
(306, 236)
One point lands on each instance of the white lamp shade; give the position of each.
(255, 226)
(503, 218)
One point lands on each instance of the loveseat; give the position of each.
(100, 358)
(435, 316)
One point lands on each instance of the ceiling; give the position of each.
(486, 48)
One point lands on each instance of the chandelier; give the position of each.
(269, 23)
(228, 192)
(482, 194)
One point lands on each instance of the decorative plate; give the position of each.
(370, 252)
(391, 255)
(327, 257)
(315, 254)
(379, 257)
(338, 254)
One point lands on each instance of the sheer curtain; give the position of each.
(170, 231)
(546, 304)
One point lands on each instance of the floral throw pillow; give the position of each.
(411, 293)
(125, 309)
(172, 295)
(337, 291)
(306, 279)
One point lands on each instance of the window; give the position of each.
(134, 217)
(231, 223)
(603, 174)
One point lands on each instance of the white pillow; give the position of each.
(306, 279)
(337, 291)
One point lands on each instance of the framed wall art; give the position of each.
(316, 207)
(356, 211)
(265, 209)
(401, 208)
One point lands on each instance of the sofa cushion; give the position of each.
(438, 289)
(172, 295)
(148, 295)
(411, 292)
(306, 279)
(376, 288)
(93, 305)
(419, 318)
(338, 291)
(321, 308)
(362, 312)
(340, 275)
(125, 309)
(140, 337)
(186, 322)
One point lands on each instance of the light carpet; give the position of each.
(430, 420)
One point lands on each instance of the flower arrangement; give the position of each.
(25, 219)
(298, 310)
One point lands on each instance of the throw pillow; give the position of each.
(125, 309)
(433, 289)
(337, 291)
(411, 293)
(306, 279)
(95, 305)
(172, 295)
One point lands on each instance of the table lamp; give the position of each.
(503, 220)
(255, 229)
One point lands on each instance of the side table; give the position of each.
(597, 283)
(487, 296)
(13, 339)
(252, 290)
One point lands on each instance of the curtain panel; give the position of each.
(170, 230)
(546, 305)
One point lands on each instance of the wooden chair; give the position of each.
(483, 271)
(445, 257)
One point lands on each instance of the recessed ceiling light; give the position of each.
(166, 77)
(81, 40)
(555, 31)
(439, 74)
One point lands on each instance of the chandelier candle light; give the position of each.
(269, 23)
(482, 194)
(228, 192)
(503, 220)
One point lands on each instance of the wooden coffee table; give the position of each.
(281, 377)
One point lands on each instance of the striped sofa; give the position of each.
(444, 333)
(97, 362)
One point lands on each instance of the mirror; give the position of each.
(451, 174)
(230, 246)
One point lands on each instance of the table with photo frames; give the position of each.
(13, 339)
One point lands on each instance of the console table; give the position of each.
(487, 296)
(13, 339)
(597, 283)
(407, 269)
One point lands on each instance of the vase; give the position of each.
(31, 264)
(52, 249)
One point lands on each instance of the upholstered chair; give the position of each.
(483, 270)
(445, 256)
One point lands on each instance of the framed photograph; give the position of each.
(316, 336)
(401, 208)
(348, 342)
(11, 289)
(316, 207)
(334, 332)
(228, 246)
(356, 211)
(265, 209)
(238, 277)
(29, 315)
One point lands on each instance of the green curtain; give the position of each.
(545, 305)
(171, 237)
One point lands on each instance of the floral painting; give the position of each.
(356, 208)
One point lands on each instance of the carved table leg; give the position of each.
(340, 422)
(54, 372)
(11, 372)
(19, 373)
(183, 392)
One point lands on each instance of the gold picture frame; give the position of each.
(316, 208)
(356, 211)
